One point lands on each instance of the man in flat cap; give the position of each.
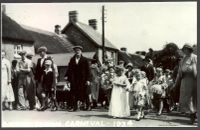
(78, 74)
(24, 83)
(40, 67)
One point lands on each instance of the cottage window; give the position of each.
(18, 48)
(112, 54)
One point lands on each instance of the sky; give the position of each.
(137, 26)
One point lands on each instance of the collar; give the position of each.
(44, 57)
(49, 70)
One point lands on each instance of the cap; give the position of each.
(79, 47)
(22, 53)
(29, 55)
(42, 48)
(129, 65)
(188, 47)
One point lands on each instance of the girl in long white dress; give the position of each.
(119, 104)
(7, 95)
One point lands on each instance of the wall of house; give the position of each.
(78, 38)
(110, 54)
(12, 47)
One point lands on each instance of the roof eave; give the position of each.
(17, 40)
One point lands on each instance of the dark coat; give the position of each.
(78, 74)
(47, 81)
(39, 70)
(148, 69)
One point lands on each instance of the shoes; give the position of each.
(192, 118)
(54, 109)
(158, 114)
(72, 110)
(89, 108)
(137, 119)
(43, 108)
(21, 108)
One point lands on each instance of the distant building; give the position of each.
(135, 59)
(88, 37)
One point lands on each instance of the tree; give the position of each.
(167, 57)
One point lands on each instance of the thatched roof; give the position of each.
(11, 30)
(136, 60)
(54, 43)
(91, 33)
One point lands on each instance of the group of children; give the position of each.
(125, 87)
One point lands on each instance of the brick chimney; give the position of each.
(93, 23)
(124, 49)
(73, 16)
(57, 29)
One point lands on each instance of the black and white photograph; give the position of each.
(99, 64)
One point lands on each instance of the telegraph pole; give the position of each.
(103, 35)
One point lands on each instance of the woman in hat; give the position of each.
(95, 82)
(119, 103)
(7, 96)
(187, 77)
(131, 77)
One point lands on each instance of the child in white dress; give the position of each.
(139, 91)
(119, 104)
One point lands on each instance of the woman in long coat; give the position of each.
(95, 82)
(187, 76)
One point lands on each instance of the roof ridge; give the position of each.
(107, 42)
(35, 29)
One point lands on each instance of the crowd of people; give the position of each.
(118, 88)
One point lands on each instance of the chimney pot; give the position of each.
(57, 29)
(93, 23)
(73, 16)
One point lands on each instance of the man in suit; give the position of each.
(25, 83)
(78, 74)
(40, 71)
(148, 69)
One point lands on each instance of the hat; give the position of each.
(48, 62)
(188, 47)
(167, 70)
(42, 48)
(129, 65)
(79, 47)
(121, 61)
(158, 69)
(22, 53)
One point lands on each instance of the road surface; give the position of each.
(94, 118)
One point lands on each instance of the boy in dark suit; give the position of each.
(47, 83)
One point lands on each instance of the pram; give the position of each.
(62, 93)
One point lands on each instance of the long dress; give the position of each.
(140, 94)
(119, 104)
(187, 76)
(6, 90)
